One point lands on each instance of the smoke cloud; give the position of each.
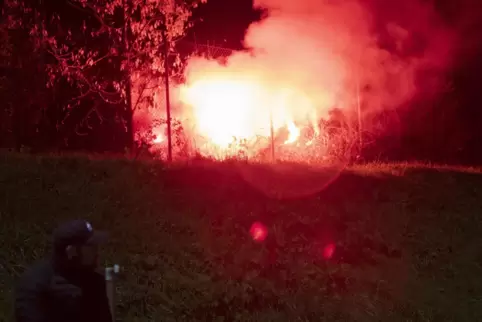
(382, 45)
(308, 57)
(328, 48)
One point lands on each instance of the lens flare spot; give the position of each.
(329, 251)
(258, 232)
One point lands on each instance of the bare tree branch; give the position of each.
(92, 12)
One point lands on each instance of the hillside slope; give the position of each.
(407, 240)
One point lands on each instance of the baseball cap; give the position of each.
(77, 232)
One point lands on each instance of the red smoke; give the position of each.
(381, 44)
(309, 57)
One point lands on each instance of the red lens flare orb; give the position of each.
(258, 232)
(329, 251)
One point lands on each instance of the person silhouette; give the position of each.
(65, 286)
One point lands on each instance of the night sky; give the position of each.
(223, 23)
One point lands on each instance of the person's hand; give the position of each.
(60, 288)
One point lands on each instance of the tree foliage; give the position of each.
(104, 53)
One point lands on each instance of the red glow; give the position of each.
(329, 251)
(287, 92)
(158, 137)
(258, 231)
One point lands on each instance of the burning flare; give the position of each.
(231, 111)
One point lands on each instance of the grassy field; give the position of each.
(408, 240)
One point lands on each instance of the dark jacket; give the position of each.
(50, 291)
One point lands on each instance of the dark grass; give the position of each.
(409, 239)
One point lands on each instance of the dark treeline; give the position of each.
(41, 111)
(43, 118)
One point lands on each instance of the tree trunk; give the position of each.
(168, 99)
(128, 115)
